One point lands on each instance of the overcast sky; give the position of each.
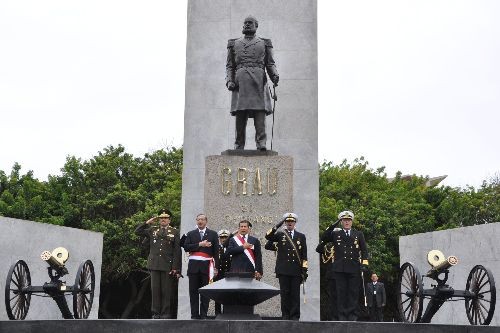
(410, 85)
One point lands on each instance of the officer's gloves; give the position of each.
(364, 266)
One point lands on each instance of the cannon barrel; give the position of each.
(57, 258)
(439, 263)
(442, 266)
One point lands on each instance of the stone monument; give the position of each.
(259, 185)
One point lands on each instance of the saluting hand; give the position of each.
(151, 220)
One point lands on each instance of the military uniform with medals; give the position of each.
(164, 257)
(350, 252)
(291, 265)
(224, 263)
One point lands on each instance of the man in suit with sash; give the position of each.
(291, 264)
(203, 247)
(245, 251)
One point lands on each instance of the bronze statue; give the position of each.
(248, 59)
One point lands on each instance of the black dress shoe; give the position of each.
(156, 316)
(262, 149)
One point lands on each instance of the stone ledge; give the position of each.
(248, 152)
(224, 326)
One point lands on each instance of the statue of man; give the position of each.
(248, 59)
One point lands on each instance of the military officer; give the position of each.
(224, 262)
(164, 261)
(351, 255)
(291, 264)
(248, 59)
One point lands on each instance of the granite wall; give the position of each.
(26, 240)
(476, 245)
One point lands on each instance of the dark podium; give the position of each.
(239, 293)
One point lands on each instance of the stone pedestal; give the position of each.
(254, 188)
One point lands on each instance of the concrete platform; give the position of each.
(223, 326)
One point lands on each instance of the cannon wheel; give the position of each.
(83, 290)
(409, 297)
(481, 307)
(17, 301)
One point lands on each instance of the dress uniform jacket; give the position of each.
(348, 250)
(164, 247)
(287, 262)
(240, 261)
(224, 262)
(248, 59)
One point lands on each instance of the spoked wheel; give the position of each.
(17, 299)
(83, 292)
(410, 299)
(481, 307)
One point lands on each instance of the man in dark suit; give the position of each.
(351, 255)
(375, 293)
(291, 264)
(164, 262)
(203, 247)
(245, 251)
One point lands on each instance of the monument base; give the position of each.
(226, 326)
(247, 152)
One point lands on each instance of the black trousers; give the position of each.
(259, 121)
(290, 296)
(162, 285)
(333, 312)
(199, 304)
(376, 313)
(347, 287)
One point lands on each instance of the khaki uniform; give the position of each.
(164, 256)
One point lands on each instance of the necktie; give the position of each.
(347, 233)
(290, 233)
(201, 234)
(163, 232)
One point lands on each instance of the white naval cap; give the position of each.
(346, 214)
(290, 217)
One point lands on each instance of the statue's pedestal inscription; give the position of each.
(254, 188)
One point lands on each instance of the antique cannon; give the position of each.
(18, 288)
(479, 293)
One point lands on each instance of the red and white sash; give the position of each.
(249, 252)
(205, 257)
